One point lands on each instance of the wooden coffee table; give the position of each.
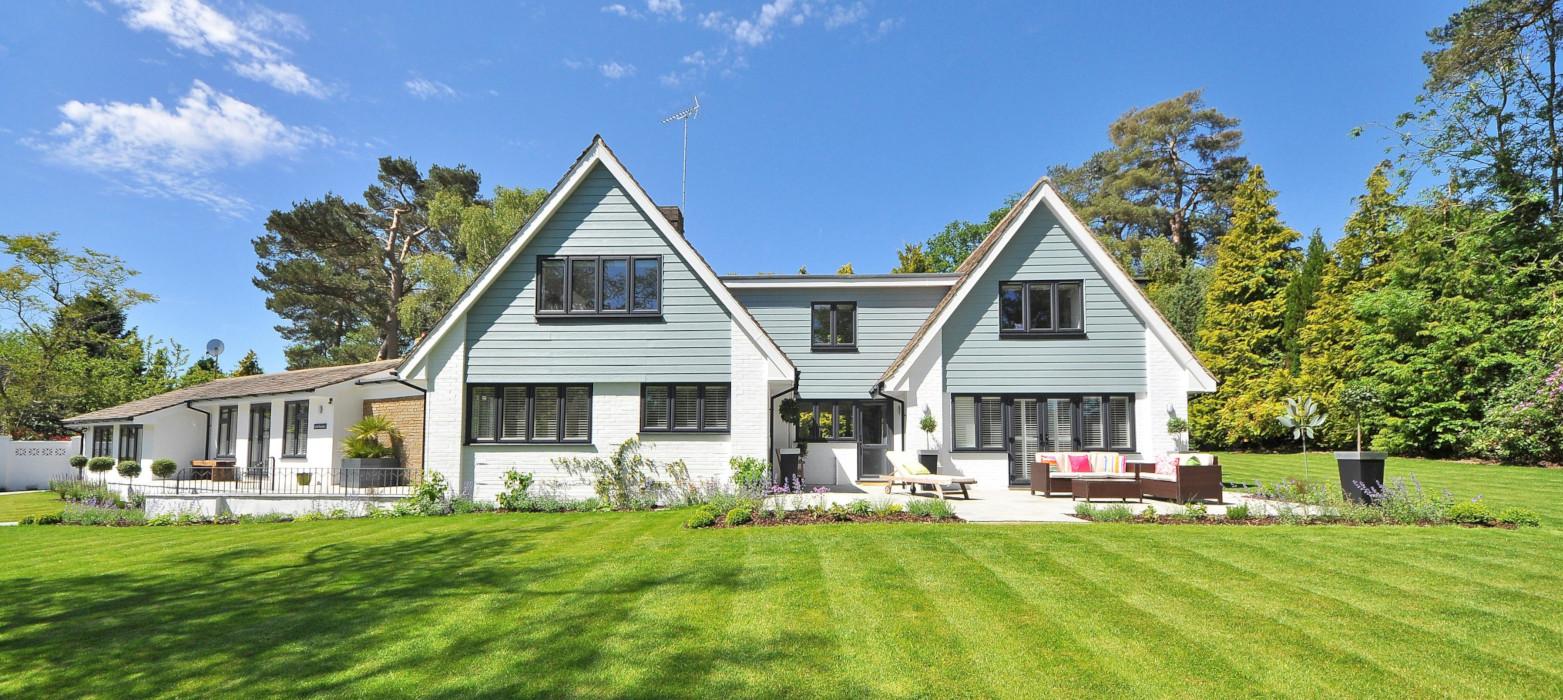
(1123, 488)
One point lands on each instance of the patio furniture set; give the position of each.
(1182, 477)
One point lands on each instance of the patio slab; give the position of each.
(1001, 505)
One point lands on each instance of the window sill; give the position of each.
(614, 316)
(1034, 335)
(986, 450)
(664, 431)
(528, 443)
(832, 348)
(294, 457)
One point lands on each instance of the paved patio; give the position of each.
(989, 505)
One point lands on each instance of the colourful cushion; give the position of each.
(1167, 464)
(1080, 463)
(1108, 462)
(1050, 459)
(915, 469)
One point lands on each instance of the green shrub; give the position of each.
(704, 516)
(46, 519)
(78, 461)
(627, 479)
(164, 468)
(1085, 510)
(838, 513)
(1523, 517)
(1470, 513)
(884, 508)
(514, 497)
(1195, 510)
(162, 521)
(88, 514)
(98, 465)
(859, 506)
(430, 497)
(1238, 512)
(129, 469)
(1117, 512)
(739, 515)
(750, 472)
(309, 517)
(1149, 513)
(936, 508)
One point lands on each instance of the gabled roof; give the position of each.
(235, 387)
(1043, 194)
(597, 153)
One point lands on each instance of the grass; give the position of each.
(15, 506)
(1500, 486)
(634, 605)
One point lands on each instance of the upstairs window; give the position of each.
(833, 325)
(295, 428)
(227, 417)
(599, 286)
(1041, 308)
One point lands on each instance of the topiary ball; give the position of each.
(129, 469)
(78, 461)
(100, 464)
(739, 515)
(164, 468)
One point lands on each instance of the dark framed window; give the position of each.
(295, 428)
(529, 413)
(129, 442)
(589, 285)
(826, 420)
(227, 419)
(103, 441)
(686, 408)
(1041, 308)
(833, 326)
(1103, 422)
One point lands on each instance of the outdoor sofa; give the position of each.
(1055, 472)
(1181, 477)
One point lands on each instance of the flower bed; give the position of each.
(775, 511)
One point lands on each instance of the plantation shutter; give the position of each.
(577, 413)
(1118, 421)
(513, 414)
(1091, 423)
(483, 413)
(545, 413)
(686, 408)
(1060, 425)
(965, 422)
(716, 407)
(654, 413)
(992, 413)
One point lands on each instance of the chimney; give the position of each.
(674, 217)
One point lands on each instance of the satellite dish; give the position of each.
(214, 347)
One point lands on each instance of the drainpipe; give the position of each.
(879, 390)
(206, 445)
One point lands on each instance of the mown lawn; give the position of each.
(1501, 486)
(632, 605)
(15, 506)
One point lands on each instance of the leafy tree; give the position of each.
(946, 250)
(1171, 172)
(844, 269)
(249, 365)
(202, 371)
(1176, 285)
(335, 269)
(1301, 295)
(1241, 340)
(482, 230)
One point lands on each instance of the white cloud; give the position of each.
(620, 10)
(842, 16)
(423, 88)
(758, 29)
(157, 151)
(673, 9)
(249, 43)
(573, 64)
(614, 70)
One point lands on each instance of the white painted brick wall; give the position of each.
(442, 430)
(1167, 387)
(927, 391)
(616, 418)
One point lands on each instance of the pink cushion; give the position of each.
(1080, 463)
(1167, 465)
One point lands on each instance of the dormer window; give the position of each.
(599, 286)
(833, 326)
(1041, 308)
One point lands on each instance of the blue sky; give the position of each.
(831, 132)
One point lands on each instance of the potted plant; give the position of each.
(1302, 417)
(100, 465)
(369, 456)
(790, 467)
(928, 457)
(1177, 429)
(303, 478)
(1359, 467)
(79, 462)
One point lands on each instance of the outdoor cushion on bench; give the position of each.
(906, 474)
(1172, 476)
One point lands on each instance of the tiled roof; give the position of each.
(235, 387)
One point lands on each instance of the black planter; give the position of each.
(790, 468)
(929, 459)
(378, 473)
(1366, 468)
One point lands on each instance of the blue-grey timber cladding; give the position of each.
(506, 343)
(1110, 358)
(886, 320)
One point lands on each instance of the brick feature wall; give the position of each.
(407, 414)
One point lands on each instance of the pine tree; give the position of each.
(1329, 338)
(1241, 339)
(1302, 293)
(248, 365)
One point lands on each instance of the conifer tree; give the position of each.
(1302, 293)
(248, 365)
(1329, 337)
(1241, 339)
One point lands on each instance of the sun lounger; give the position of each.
(906, 474)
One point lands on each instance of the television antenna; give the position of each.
(685, 116)
(214, 347)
